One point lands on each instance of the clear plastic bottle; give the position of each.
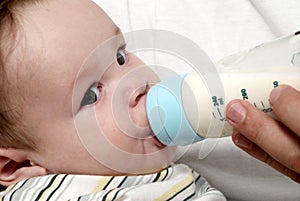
(183, 110)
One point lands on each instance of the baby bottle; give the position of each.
(183, 109)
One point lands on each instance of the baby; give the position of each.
(63, 68)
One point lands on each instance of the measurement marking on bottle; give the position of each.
(214, 115)
(254, 104)
(218, 109)
(262, 103)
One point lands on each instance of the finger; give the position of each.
(255, 151)
(270, 135)
(285, 102)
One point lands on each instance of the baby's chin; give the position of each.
(153, 147)
(162, 159)
(149, 146)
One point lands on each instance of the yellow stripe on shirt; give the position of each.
(177, 187)
(101, 184)
(50, 189)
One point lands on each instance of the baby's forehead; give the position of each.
(57, 34)
(55, 39)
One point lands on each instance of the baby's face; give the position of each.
(85, 107)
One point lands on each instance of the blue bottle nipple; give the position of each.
(166, 113)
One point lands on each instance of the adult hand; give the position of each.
(275, 142)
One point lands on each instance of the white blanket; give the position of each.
(221, 28)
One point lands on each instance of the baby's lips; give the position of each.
(158, 143)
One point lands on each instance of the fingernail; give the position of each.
(236, 113)
(275, 94)
(241, 141)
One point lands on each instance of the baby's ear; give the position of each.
(14, 166)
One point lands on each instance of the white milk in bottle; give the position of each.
(183, 110)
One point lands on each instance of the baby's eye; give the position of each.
(121, 56)
(92, 95)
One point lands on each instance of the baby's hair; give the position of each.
(13, 132)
